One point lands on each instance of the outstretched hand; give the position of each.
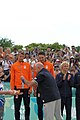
(15, 92)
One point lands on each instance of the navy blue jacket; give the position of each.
(65, 86)
(47, 86)
(77, 83)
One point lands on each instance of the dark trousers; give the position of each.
(67, 102)
(40, 107)
(77, 108)
(17, 104)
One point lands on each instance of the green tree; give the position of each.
(56, 46)
(5, 42)
(18, 47)
(44, 46)
(78, 48)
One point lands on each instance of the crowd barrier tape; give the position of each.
(9, 107)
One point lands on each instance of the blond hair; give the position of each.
(64, 63)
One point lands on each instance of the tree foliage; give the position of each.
(78, 48)
(5, 42)
(44, 46)
(18, 47)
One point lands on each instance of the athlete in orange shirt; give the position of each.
(48, 65)
(18, 69)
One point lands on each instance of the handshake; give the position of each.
(29, 83)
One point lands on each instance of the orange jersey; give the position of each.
(49, 66)
(19, 69)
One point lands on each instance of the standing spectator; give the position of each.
(73, 52)
(50, 68)
(65, 81)
(73, 70)
(15, 51)
(56, 70)
(77, 86)
(1, 59)
(72, 61)
(18, 69)
(8, 50)
(27, 51)
(6, 66)
(49, 92)
(27, 58)
(2, 52)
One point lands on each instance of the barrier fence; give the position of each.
(9, 107)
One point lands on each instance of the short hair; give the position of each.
(63, 63)
(41, 53)
(39, 64)
(20, 51)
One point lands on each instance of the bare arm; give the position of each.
(4, 92)
(10, 92)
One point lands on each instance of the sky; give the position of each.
(40, 21)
